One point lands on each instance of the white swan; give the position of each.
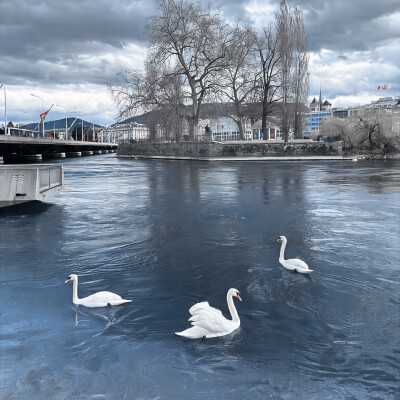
(99, 299)
(293, 264)
(208, 322)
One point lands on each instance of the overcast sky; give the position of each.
(67, 51)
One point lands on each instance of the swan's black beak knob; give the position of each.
(68, 279)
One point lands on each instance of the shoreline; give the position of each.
(240, 151)
(238, 158)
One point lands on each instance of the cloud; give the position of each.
(355, 78)
(68, 52)
(84, 100)
(355, 25)
(63, 36)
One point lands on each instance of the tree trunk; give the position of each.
(191, 130)
(241, 131)
(264, 114)
(153, 133)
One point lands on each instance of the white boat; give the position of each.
(20, 183)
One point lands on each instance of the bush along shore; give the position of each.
(230, 150)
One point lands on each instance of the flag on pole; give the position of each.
(44, 115)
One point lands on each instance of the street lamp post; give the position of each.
(34, 95)
(66, 126)
(5, 109)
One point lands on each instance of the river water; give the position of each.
(168, 234)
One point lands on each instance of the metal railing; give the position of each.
(54, 134)
(24, 133)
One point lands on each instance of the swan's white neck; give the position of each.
(75, 298)
(232, 308)
(282, 253)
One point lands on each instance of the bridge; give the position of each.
(14, 148)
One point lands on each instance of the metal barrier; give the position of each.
(51, 134)
(28, 133)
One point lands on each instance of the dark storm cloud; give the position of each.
(58, 32)
(65, 47)
(354, 44)
(345, 25)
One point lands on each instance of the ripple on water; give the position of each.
(171, 234)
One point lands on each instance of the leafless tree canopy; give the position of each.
(195, 44)
(371, 130)
(293, 56)
(195, 55)
(237, 83)
(269, 82)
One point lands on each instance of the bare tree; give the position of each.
(195, 54)
(135, 92)
(129, 92)
(333, 127)
(300, 78)
(292, 47)
(368, 130)
(194, 42)
(376, 132)
(285, 49)
(269, 84)
(237, 82)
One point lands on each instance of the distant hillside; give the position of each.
(72, 122)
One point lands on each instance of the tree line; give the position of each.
(373, 130)
(196, 56)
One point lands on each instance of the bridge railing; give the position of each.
(57, 134)
(19, 132)
(22, 132)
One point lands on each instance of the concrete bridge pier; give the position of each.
(21, 158)
(55, 155)
(74, 154)
(87, 153)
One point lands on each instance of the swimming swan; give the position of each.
(208, 322)
(99, 299)
(293, 264)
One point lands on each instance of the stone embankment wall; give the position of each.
(210, 150)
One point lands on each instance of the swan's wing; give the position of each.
(119, 302)
(209, 318)
(106, 297)
(195, 332)
(297, 263)
(198, 307)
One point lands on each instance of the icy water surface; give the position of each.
(168, 234)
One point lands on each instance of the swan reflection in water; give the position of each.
(108, 314)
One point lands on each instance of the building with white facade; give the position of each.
(382, 103)
(130, 130)
(272, 131)
(385, 102)
(217, 122)
(224, 128)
